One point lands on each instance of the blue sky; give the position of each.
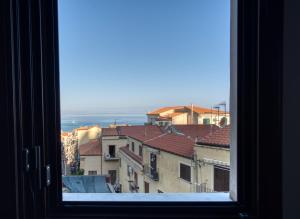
(130, 56)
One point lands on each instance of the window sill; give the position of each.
(184, 197)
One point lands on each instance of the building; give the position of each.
(213, 161)
(113, 139)
(154, 159)
(188, 115)
(86, 133)
(131, 156)
(91, 157)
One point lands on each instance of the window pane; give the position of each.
(145, 98)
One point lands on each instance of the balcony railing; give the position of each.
(109, 157)
(203, 188)
(151, 172)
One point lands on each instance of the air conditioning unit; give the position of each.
(107, 156)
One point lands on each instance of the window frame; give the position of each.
(33, 53)
(179, 170)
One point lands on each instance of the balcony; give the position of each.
(151, 172)
(203, 188)
(110, 157)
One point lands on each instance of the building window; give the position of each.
(92, 172)
(129, 170)
(221, 179)
(113, 176)
(112, 150)
(185, 172)
(132, 146)
(206, 121)
(140, 150)
(146, 187)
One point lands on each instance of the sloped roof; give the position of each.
(92, 148)
(196, 131)
(109, 132)
(164, 109)
(131, 154)
(221, 138)
(140, 132)
(196, 109)
(172, 143)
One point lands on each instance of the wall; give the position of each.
(84, 135)
(90, 163)
(180, 119)
(124, 178)
(168, 170)
(111, 164)
(206, 172)
(136, 145)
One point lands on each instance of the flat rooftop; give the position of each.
(86, 184)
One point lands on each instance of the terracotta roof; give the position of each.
(140, 132)
(109, 132)
(221, 137)
(137, 158)
(196, 131)
(164, 109)
(198, 109)
(92, 148)
(173, 143)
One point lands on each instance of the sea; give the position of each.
(72, 121)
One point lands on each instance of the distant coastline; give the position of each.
(72, 121)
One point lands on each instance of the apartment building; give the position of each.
(165, 159)
(86, 133)
(188, 115)
(212, 158)
(91, 157)
(131, 156)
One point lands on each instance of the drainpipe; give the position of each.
(196, 170)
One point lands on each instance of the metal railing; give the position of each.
(203, 188)
(151, 172)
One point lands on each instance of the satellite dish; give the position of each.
(107, 156)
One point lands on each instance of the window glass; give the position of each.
(145, 97)
(185, 172)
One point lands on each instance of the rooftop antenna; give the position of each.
(218, 108)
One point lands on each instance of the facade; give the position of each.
(166, 159)
(188, 115)
(213, 161)
(84, 134)
(91, 157)
(156, 159)
(111, 143)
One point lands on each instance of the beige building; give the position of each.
(111, 143)
(91, 157)
(87, 133)
(188, 115)
(155, 159)
(213, 161)
(178, 158)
